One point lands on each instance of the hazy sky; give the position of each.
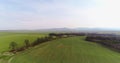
(36, 14)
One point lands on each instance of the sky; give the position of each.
(41, 14)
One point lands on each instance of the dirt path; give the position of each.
(7, 54)
(9, 61)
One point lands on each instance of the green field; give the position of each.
(6, 38)
(67, 50)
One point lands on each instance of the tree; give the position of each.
(52, 35)
(13, 46)
(27, 43)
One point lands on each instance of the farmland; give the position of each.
(67, 50)
(7, 37)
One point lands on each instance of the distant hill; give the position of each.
(90, 30)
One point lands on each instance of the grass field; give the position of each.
(67, 50)
(6, 38)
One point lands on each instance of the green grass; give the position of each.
(6, 38)
(68, 50)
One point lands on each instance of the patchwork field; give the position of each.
(67, 50)
(6, 38)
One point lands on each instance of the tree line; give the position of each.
(109, 40)
(51, 36)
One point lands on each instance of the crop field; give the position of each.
(7, 37)
(67, 50)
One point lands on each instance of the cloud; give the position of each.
(35, 14)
